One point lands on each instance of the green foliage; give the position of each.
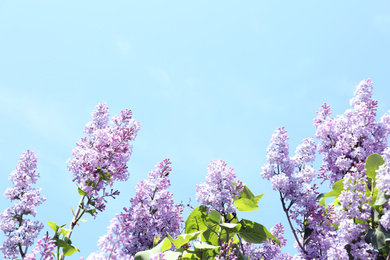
(62, 241)
(372, 165)
(247, 201)
(255, 233)
(206, 231)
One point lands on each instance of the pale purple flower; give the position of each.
(220, 187)
(159, 256)
(43, 248)
(351, 137)
(19, 231)
(227, 251)
(100, 159)
(152, 213)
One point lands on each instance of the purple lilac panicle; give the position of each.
(220, 187)
(352, 137)
(152, 213)
(21, 232)
(293, 177)
(345, 143)
(107, 149)
(44, 248)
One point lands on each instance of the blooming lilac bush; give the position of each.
(354, 225)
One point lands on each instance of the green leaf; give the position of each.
(253, 232)
(377, 237)
(53, 226)
(196, 221)
(156, 239)
(61, 243)
(381, 198)
(64, 231)
(105, 176)
(214, 216)
(211, 235)
(247, 201)
(166, 244)
(204, 245)
(70, 250)
(91, 211)
(145, 255)
(335, 192)
(231, 227)
(372, 164)
(161, 247)
(183, 238)
(81, 192)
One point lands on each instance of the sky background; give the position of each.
(206, 79)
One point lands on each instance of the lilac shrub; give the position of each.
(19, 231)
(152, 214)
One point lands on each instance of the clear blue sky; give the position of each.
(206, 79)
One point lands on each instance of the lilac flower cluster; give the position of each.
(228, 251)
(292, 177)
(100, 159)
(220, 187)
(152, 214)
(353, 205)
(345, 143)
(44, 248)
(269, 249)
(352, 137)
(21, 232)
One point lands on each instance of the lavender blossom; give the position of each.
(352, 137)
(345, 143)
(220, 187)
(100, 159)
(44, 248)
(19, 231)
(292, 177)
(152, 213)
(228, 251)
